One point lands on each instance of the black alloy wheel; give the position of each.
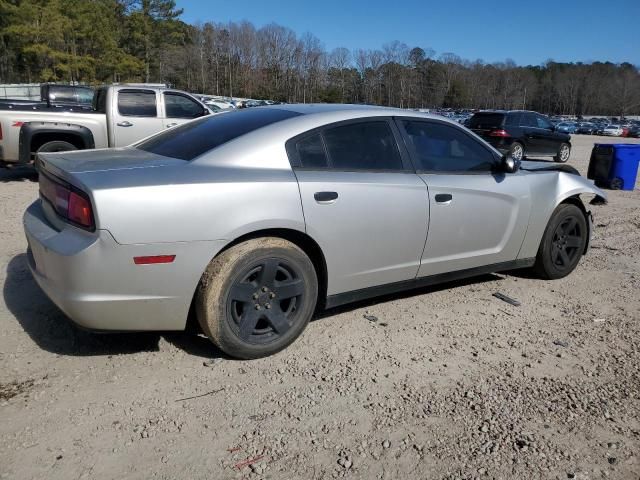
(263, 302)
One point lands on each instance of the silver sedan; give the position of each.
(255, 219)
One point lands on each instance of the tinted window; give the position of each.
(179, 106)
(100, 100)
(543, 122)
(486, 120)
(440, 147)
(311, 152)
(363, 146)
(137, 103)
(192, 139)
(513, 119)
(528, 120)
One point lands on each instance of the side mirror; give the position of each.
(509, 164)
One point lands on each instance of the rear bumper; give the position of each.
(95, 282)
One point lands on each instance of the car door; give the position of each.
(477, 217)
(362, 202)
(135, 115)
(549, 141)
(180, 108)
(534, 142)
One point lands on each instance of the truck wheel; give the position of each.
(257, 297)
(56, 146)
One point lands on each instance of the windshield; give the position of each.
(195, 138)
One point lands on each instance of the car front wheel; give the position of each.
(563, 153)
(257, 297)
(563, 243)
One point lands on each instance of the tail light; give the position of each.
(499, 133)
(70, 203)
(0, 131)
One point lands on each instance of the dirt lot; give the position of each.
(442, 383)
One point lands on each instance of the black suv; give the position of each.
(521, 133)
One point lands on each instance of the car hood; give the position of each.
(538, 166)
(84, 161)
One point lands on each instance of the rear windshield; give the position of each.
(195, 138)
(486, 120)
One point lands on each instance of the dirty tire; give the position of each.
(257, 297)
(562, 244)
(564, 152)
(57, 146)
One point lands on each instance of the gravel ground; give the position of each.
(444, 383)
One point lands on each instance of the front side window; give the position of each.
(179, 106)
(445, 148)
(367, 145)
(137, 103)
(543, 122)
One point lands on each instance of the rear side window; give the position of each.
(513, 119)
(137, 103)
(362, 146)
(444, 148)
(310, 151)
(529, 120)
(487, 120)
(179, 106)
(192, 139)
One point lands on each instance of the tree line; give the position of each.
(102, 41)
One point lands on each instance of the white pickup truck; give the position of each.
(121, 115)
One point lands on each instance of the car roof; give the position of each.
(341, 111)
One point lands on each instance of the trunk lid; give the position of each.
(108, 159)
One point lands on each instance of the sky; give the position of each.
(530, 32)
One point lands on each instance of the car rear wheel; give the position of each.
(562, 244)
(563, 153)
(257, 297)
(517, 151)
(56, 146)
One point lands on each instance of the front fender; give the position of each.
(548, 190)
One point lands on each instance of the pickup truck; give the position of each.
(53, 96)
(121, 115)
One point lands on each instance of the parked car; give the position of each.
(586, 128)
(634, 131)
(121, 115)
(255, 218)
(612, 131)
(521, 133)
(566, 127)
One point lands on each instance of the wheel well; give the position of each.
(40, 139)
(307, 244)
(575, 200)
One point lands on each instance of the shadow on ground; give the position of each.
(409, 293)
(52, 331)
(18, 173)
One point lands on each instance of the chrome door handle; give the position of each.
(171, 125)
(325, 198)
(444, 198)
(125, 124)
